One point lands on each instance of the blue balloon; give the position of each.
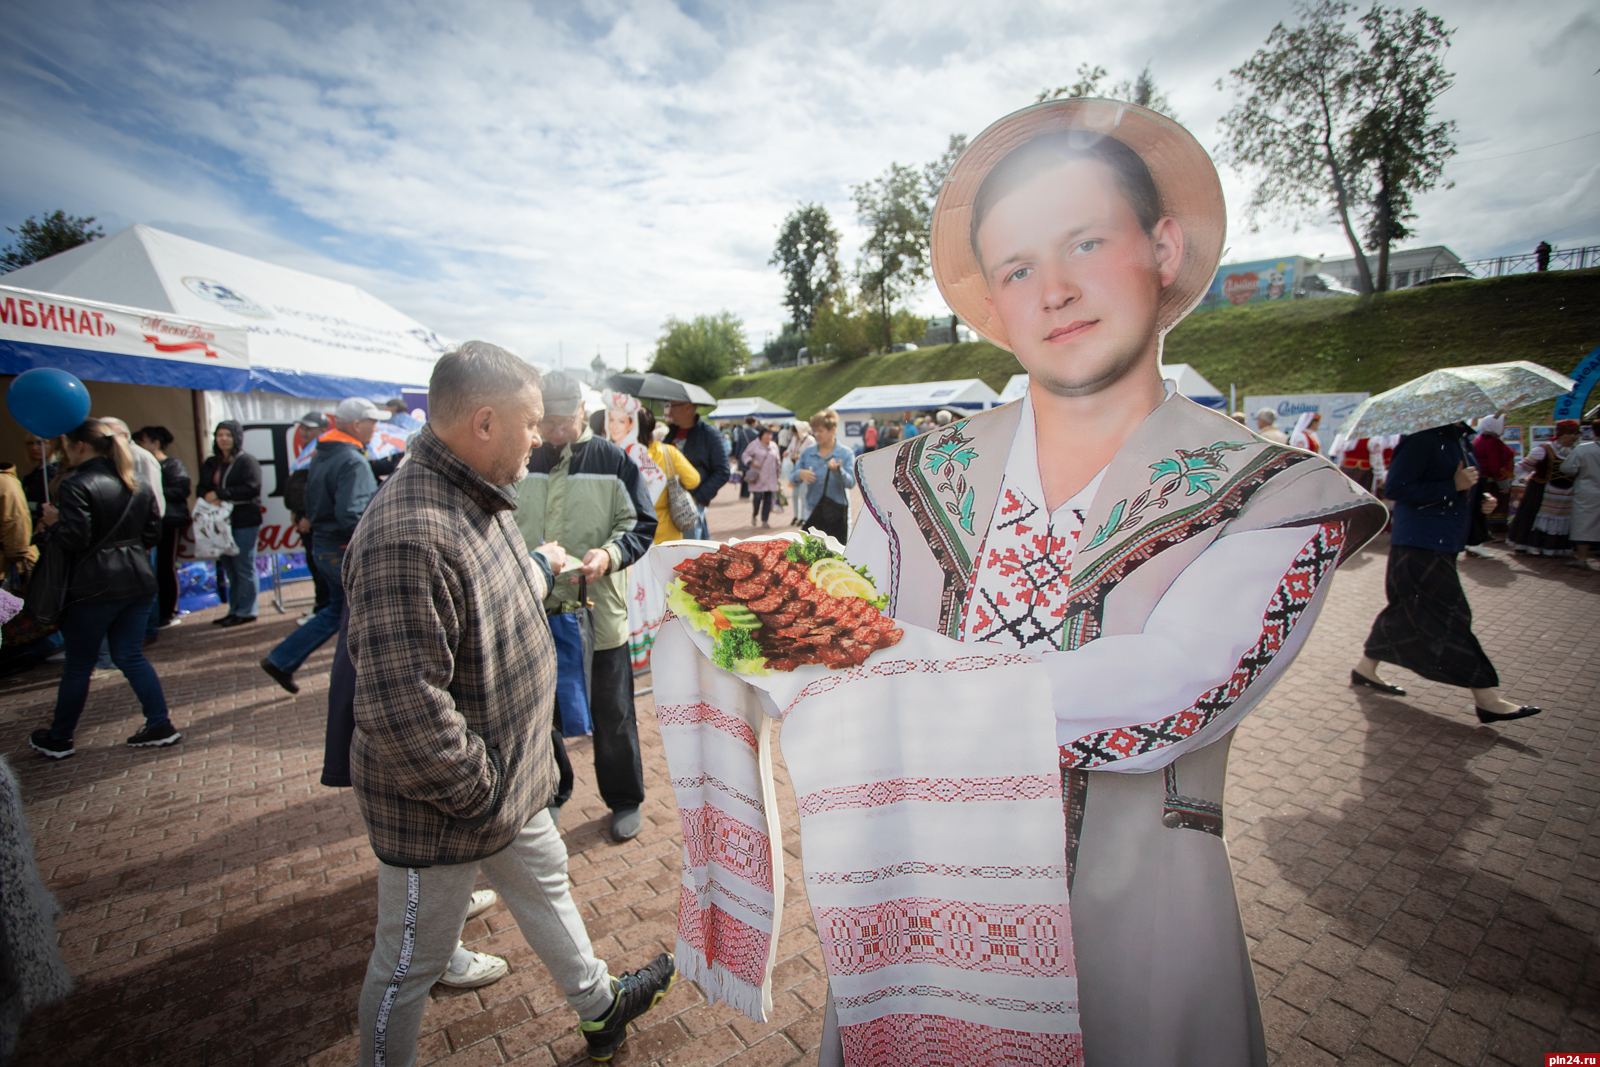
(48, 402)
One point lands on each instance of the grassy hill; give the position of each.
(1342, 344)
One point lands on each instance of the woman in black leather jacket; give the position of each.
(106, 521)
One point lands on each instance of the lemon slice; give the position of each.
(851, 584)
(824, 570)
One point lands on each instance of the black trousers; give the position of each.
(760, 506)
(618, 765)
(167, 572)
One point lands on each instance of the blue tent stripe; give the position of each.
(314, 386)
(19, 356)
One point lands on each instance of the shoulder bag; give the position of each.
(680, 505)
(47, 588)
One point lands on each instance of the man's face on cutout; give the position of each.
(1074, 278)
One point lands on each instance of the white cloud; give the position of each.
(575, 174)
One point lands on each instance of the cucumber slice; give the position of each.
(740, 617)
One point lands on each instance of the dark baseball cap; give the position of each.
(562, 397)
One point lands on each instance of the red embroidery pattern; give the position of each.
(931, 790)
(1288, 603)
(1033, 940)
(940, 870)
(721, 938)
(938, 1041)
(893, 667)
(703, 714)
(711, 835)
(1018, 594)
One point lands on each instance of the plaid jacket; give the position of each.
(455, 667)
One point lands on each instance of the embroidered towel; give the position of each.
(933, 838)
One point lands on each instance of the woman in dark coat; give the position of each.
(233, 475)
(1427, 626)
(105, 520)
(175, 488)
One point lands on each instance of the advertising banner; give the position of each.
(1334, 408)
(1251, 283)
(109, 342)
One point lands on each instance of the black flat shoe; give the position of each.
(223, 621)
(1357, 678)
(1521, 713)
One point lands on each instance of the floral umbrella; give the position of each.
(1454, 394)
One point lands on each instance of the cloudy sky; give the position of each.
(564, 176)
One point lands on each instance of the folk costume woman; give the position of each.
(1498, 465)
(1305, 432)
(1583, 467)
(1543, 523)
(645, 605)
(1012, 819)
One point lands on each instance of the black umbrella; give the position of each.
(659, 387)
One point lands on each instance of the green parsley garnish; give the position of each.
(733, 645)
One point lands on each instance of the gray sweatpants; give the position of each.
(420, 912)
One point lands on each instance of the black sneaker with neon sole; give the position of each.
(155, 736)
(41, 741)
(636, 993)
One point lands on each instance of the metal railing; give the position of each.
(279, 567)
(1560, 259)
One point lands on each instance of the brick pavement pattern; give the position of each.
(1416, 888)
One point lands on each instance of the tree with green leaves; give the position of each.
(1396, 139)
(703, 349)
(897, 212)
(40, 238)
(807, 255)
(841, 331)
(784, 349)
(1141, 89)
(1332, 125)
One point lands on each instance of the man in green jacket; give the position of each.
(584, 493)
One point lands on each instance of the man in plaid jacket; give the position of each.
(455, 675)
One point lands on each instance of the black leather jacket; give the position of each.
(90, 500)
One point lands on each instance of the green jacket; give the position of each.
(588, 495)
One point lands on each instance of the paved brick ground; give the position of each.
(1417, 888)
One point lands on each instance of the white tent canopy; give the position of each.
(967, 394)
(740, 407)
(309, 336)
(1185, 377)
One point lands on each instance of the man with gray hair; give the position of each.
(1267, 426)
(455, 679)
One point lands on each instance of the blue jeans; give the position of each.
(155, 610)
(242, 574)
(702, 532)
(310, 635)
(122, 622)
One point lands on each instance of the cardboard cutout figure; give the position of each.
(1007, 712)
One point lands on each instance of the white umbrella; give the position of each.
(1454, 394)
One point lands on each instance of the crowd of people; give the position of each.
(516, 502)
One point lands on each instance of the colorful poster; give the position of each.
(1251, 283)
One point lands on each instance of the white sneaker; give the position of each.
(1480, 552)
(482, 901)
(483, 969)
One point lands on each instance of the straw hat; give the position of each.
(1184, 176)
